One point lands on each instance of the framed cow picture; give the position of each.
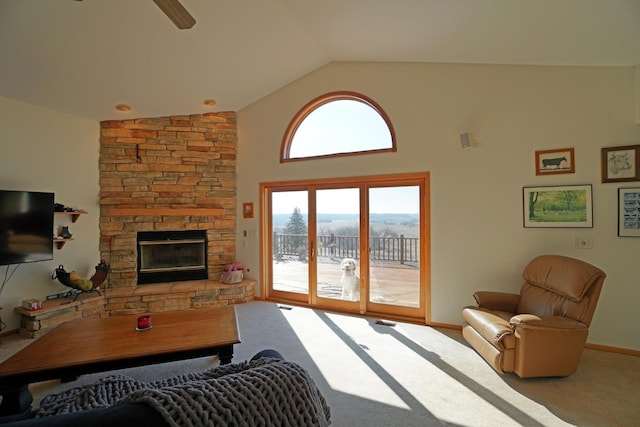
(553, 162)
(621, 164)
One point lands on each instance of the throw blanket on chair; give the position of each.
(262, 392)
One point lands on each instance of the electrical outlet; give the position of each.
(582, 243)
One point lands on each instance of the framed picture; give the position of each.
(247, 210)
(621, 164)
(552, 162)
(558, 206)
(629, 212)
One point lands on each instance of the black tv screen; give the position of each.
(26, 226)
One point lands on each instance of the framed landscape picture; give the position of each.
(621, 164)
(629, 212)
(552, 162)
(558, 206)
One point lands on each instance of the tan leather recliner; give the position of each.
(540, 332)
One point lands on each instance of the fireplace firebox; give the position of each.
(171, 256)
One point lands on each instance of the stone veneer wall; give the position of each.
(167, 173)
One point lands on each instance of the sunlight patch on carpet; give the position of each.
(339, 346)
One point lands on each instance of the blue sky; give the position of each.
(381, 200)
(340, 126)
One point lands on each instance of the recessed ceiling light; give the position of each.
(209, 102)
(125, 108)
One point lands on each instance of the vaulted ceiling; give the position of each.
(84, 57)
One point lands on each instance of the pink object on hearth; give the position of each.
(234, 273)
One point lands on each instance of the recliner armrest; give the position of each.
(547, 345)
(501, 301)
(551, 322)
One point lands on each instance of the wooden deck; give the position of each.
(391, 283)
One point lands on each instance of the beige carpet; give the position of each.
(411, 375)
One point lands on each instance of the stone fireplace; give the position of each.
(171, 256)
(168, 174)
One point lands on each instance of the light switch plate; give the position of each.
(583, 243)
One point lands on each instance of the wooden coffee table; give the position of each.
(86, 346)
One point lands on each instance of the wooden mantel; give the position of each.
(166, 211)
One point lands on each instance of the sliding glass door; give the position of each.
(357, 245)
(337, 241)
(289, 242)
(395, 246)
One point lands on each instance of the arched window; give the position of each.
(335, 124)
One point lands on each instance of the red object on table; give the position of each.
(144, 322)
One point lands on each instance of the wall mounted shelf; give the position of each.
(59, 242)
(74, 214)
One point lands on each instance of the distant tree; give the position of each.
(348, 237)
(297, 227)
(384, 232)
(347, 231)
(296, 224)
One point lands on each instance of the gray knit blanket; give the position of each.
(263, 392)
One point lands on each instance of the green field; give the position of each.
(564, 216)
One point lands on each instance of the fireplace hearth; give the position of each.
(171, 256)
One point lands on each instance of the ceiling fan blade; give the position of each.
(177, 13)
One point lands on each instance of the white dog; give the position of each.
(350, 280)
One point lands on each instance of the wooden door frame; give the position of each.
(366, 307)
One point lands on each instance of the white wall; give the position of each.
(45, 150)
(638, 94)
(477, 237)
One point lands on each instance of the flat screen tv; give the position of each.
(26, 226)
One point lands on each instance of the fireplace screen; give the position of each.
(171, 256)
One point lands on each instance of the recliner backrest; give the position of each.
(557, 285)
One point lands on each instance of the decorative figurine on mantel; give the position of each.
(64, 232)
